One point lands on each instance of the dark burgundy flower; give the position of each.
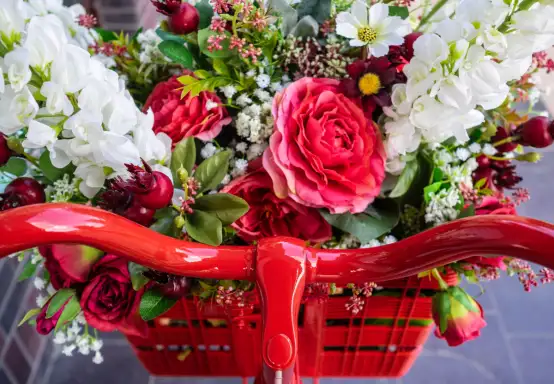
(22, 191)
(507, 177)
(170, 285)
(109, 301)
(166, 7)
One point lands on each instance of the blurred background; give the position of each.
(515, 348)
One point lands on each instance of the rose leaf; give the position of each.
(58, 300)
(137, 277)
(211, 171)
(405, 180)
(177, 52)
(71, 310)
(204, 227)
(153, 304)
(184, 155)
(227, 208)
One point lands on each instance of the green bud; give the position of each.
(183, 175)
(14, 144)
(179, 222)
(530, 157)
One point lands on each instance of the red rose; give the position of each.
(109, 301)
(202, 116)
(68, 264)
(270, 216)
(324, 153)
(44, 325)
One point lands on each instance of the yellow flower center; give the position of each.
(367, 34)
(369, 84)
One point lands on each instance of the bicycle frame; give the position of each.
(280, 266)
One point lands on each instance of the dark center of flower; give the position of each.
(367, 34)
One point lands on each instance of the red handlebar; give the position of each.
(280, 266)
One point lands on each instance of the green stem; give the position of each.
(505, 141)
(442, 284)
(425, 19)
(31, 159)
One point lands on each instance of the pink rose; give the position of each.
(201, 116)
(270, 216)
(324, 153)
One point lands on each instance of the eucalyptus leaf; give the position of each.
(211, 171)
(58, 300)
(227, 208)
(153, 304)
(204, 35)
(184, 155)
(168, 36)
(406, 179)
(176, 52)
(205, 11)
(320, 10)
(70, 312)
(306, 27)
(137, 277)
(15, 166)
(204, 228)
(288, 14)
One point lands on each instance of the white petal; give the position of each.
(379, 49)
(359, 11)
(356, 43)
(377, 13)
(347, 30)
(391, 39)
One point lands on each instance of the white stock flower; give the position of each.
(93, 178)
(56, 99)
(46, 36)
(120, 114)
(12, 20)
(16, 110)
(488, 88)
(16, 65)
(431, 49)
(455, 93)
(39, 135)
(400, 99)
(372, 27)
(71, 68)
(420, 79)
(538, 25)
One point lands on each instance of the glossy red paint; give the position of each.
(280, 266)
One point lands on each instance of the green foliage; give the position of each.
(433, 188)
(406, 179)
(184, 155)
(165, 222)
(58, 300)
(441, 307)
(106, 35)
(320, 10)
(70, 312)
(194, 85)
(168, 36)
(467, 212)
(176, 52)
(28, 271)
(401, 12)
(50, 172)
(32, 313)
(204, 227)
(205, 11)
(227, 208)
(15, 166)
(137, 277)
(211, 171)
(154, 304)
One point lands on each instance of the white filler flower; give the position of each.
(372, 27)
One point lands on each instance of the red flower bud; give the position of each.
(22, 191)
(184, 20)
(502, 134)
(47, 325)
(459, 318)
(5, 152)
(166, 7)
(159, 194)
(535, 132)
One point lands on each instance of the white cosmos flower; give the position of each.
(372, 27)
(16, 65)
(16, 110)
(39, 135)
(56, 99)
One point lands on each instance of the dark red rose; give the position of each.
(69, 264)
(109, 301)
(269, 215)
(44, 325)
(202, 116)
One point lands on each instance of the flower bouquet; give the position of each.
(346, 124)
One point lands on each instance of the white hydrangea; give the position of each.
(229, 91)
(442, 206)
(263, 80)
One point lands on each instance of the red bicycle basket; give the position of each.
(383, 340)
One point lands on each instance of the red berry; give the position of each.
(535, 132)
(5, 152)
(483, 161)
(22, 191)
(159, 193)
(409, 41)
(139, 214)
(502, 134)
(185, 20)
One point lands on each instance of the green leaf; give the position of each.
(405, 180)
(365, 226)
(28, 315)
(15, 166)
(176, 52)
(52, 173)
(401, 12)
(480, 183)
(212, 170)
(58, 300)
(306, 27)
(168, 36)
(106, 35)
(289, 14)
(204, 35)
(467, 212)
(28, 270)
(433, 188)
(227, 208)
(184, 155)
(154, 304)
(165, 221)
(441, 307)
(206, 12)
(437, 175)
(204, 228)
(221, 68)
(71, 310)
(320, 10)
(463, 298)
(137, 277)
(202, 74)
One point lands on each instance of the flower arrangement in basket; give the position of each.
(344, 124)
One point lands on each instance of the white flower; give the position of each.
(430, 49)
(241, 147)
(56, 99)
(46, 36)
(400, 100)
(401, 137)
(276, 87)
(251, 73)
(475, 148)
(537, 25)
(59, 338)
(255, 150)
(16, 110)
(12, 19)
(68, 350)
(372, 244)
(395, 166)
(96, 345)
(226, 179)
(16, 64)
(455, 92)
(373, 28)
(151, 147)
(389, 239)
(262, 95)
(462, 154)
(487, 87)
(229, 91)
(263, 80)
(120, 114)
(210, 104)
(489, 150)
(98, 359)
(2, 81)
(208, 150)
(41, 300)
(420, 79)
(240, 168)
(39, 136)
(71, 68)
(243, 100)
